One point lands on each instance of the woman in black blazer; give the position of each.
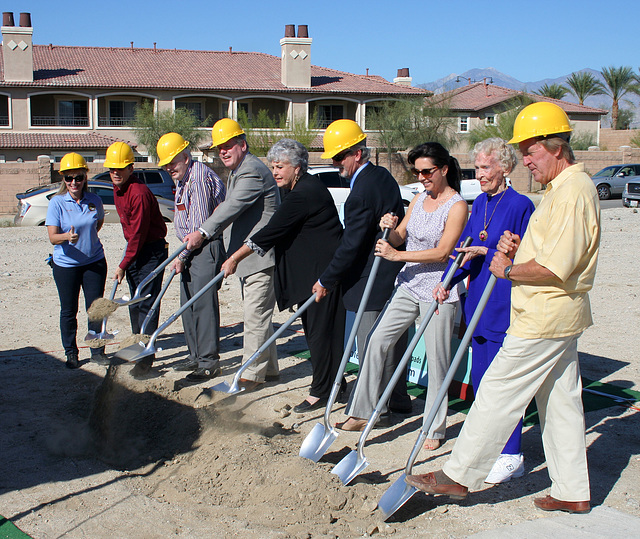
(305, 231)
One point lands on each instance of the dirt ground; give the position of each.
(81, 457)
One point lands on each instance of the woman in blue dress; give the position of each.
(497, 209)
(74, 218)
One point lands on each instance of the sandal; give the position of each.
(431, 444)
(352, 424)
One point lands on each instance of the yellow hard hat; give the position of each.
(224, 130)
(538, 120)
(72, 161)
(340, 135)
(119, 155)
(169, 146)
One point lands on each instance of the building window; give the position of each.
(463, 124)
(73, 112)
(195, 107)
(490, 120)
(121, 113)
(4, 111)
(328, 114)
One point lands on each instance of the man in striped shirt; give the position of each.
(198, 192)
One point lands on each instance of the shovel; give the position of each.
(136, 352)
(351, 465)
(137, 297)
(104, 334)
(234, 388)
(321, 437)
(156, 303)
(399, 493)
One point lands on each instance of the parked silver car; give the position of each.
(631, 194)
(33, 204)
(611, 180)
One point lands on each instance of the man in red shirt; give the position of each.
(145, 232)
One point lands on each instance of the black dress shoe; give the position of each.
(402, 410)
(186, 365)
(72, 361)
(100, 358)
(203, 374)
(306, 406)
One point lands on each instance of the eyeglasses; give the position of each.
(77, 179)
(342, 155)
(426, 172)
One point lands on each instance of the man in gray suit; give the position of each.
(252, 198)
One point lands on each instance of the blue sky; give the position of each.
(526, 40)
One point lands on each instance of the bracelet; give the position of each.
(234, 259)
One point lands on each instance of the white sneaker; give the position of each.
(506, 467)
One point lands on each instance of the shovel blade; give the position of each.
(126, 301)
(131, 353)
(349, 467)
(395, 497)
(224, 387)
(92, 335)
(317, 442)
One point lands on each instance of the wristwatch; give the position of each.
(507, 271)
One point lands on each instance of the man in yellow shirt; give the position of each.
(552, 272)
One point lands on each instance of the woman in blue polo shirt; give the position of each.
(73, 220)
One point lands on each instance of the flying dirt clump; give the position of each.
(134, 339)
(101, 308)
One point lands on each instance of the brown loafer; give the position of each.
(249, 385)
(438, 483)
(548, 503)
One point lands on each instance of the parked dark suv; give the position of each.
(157, 180)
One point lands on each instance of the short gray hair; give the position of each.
(366, 152)
(559, 141)
(505, 154)
(287, 150)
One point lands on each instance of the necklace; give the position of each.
(444, 198)
(483, 233)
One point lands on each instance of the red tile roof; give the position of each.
(48, 141)
(164, 69)
(478, 96)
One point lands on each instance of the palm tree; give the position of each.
(619, 82)
(555, 91)
(583, 85)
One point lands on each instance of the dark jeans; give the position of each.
(150, 257)
(91, 279)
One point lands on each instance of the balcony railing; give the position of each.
(54, 121)
(114, 122)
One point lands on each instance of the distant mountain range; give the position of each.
(493, 76)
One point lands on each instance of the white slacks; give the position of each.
(548, 370)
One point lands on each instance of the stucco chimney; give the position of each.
(295, 69)
(403, 78)
(17, 48)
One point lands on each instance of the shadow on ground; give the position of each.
(59, 424)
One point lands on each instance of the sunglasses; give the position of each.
(77, 179)
(342, 155)
(426, 172)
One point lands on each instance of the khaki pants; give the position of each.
(548, 370)
(259, 301)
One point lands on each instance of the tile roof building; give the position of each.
(480, 104)
(51, 95)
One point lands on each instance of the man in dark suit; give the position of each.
(252, 198)
(374, 192)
